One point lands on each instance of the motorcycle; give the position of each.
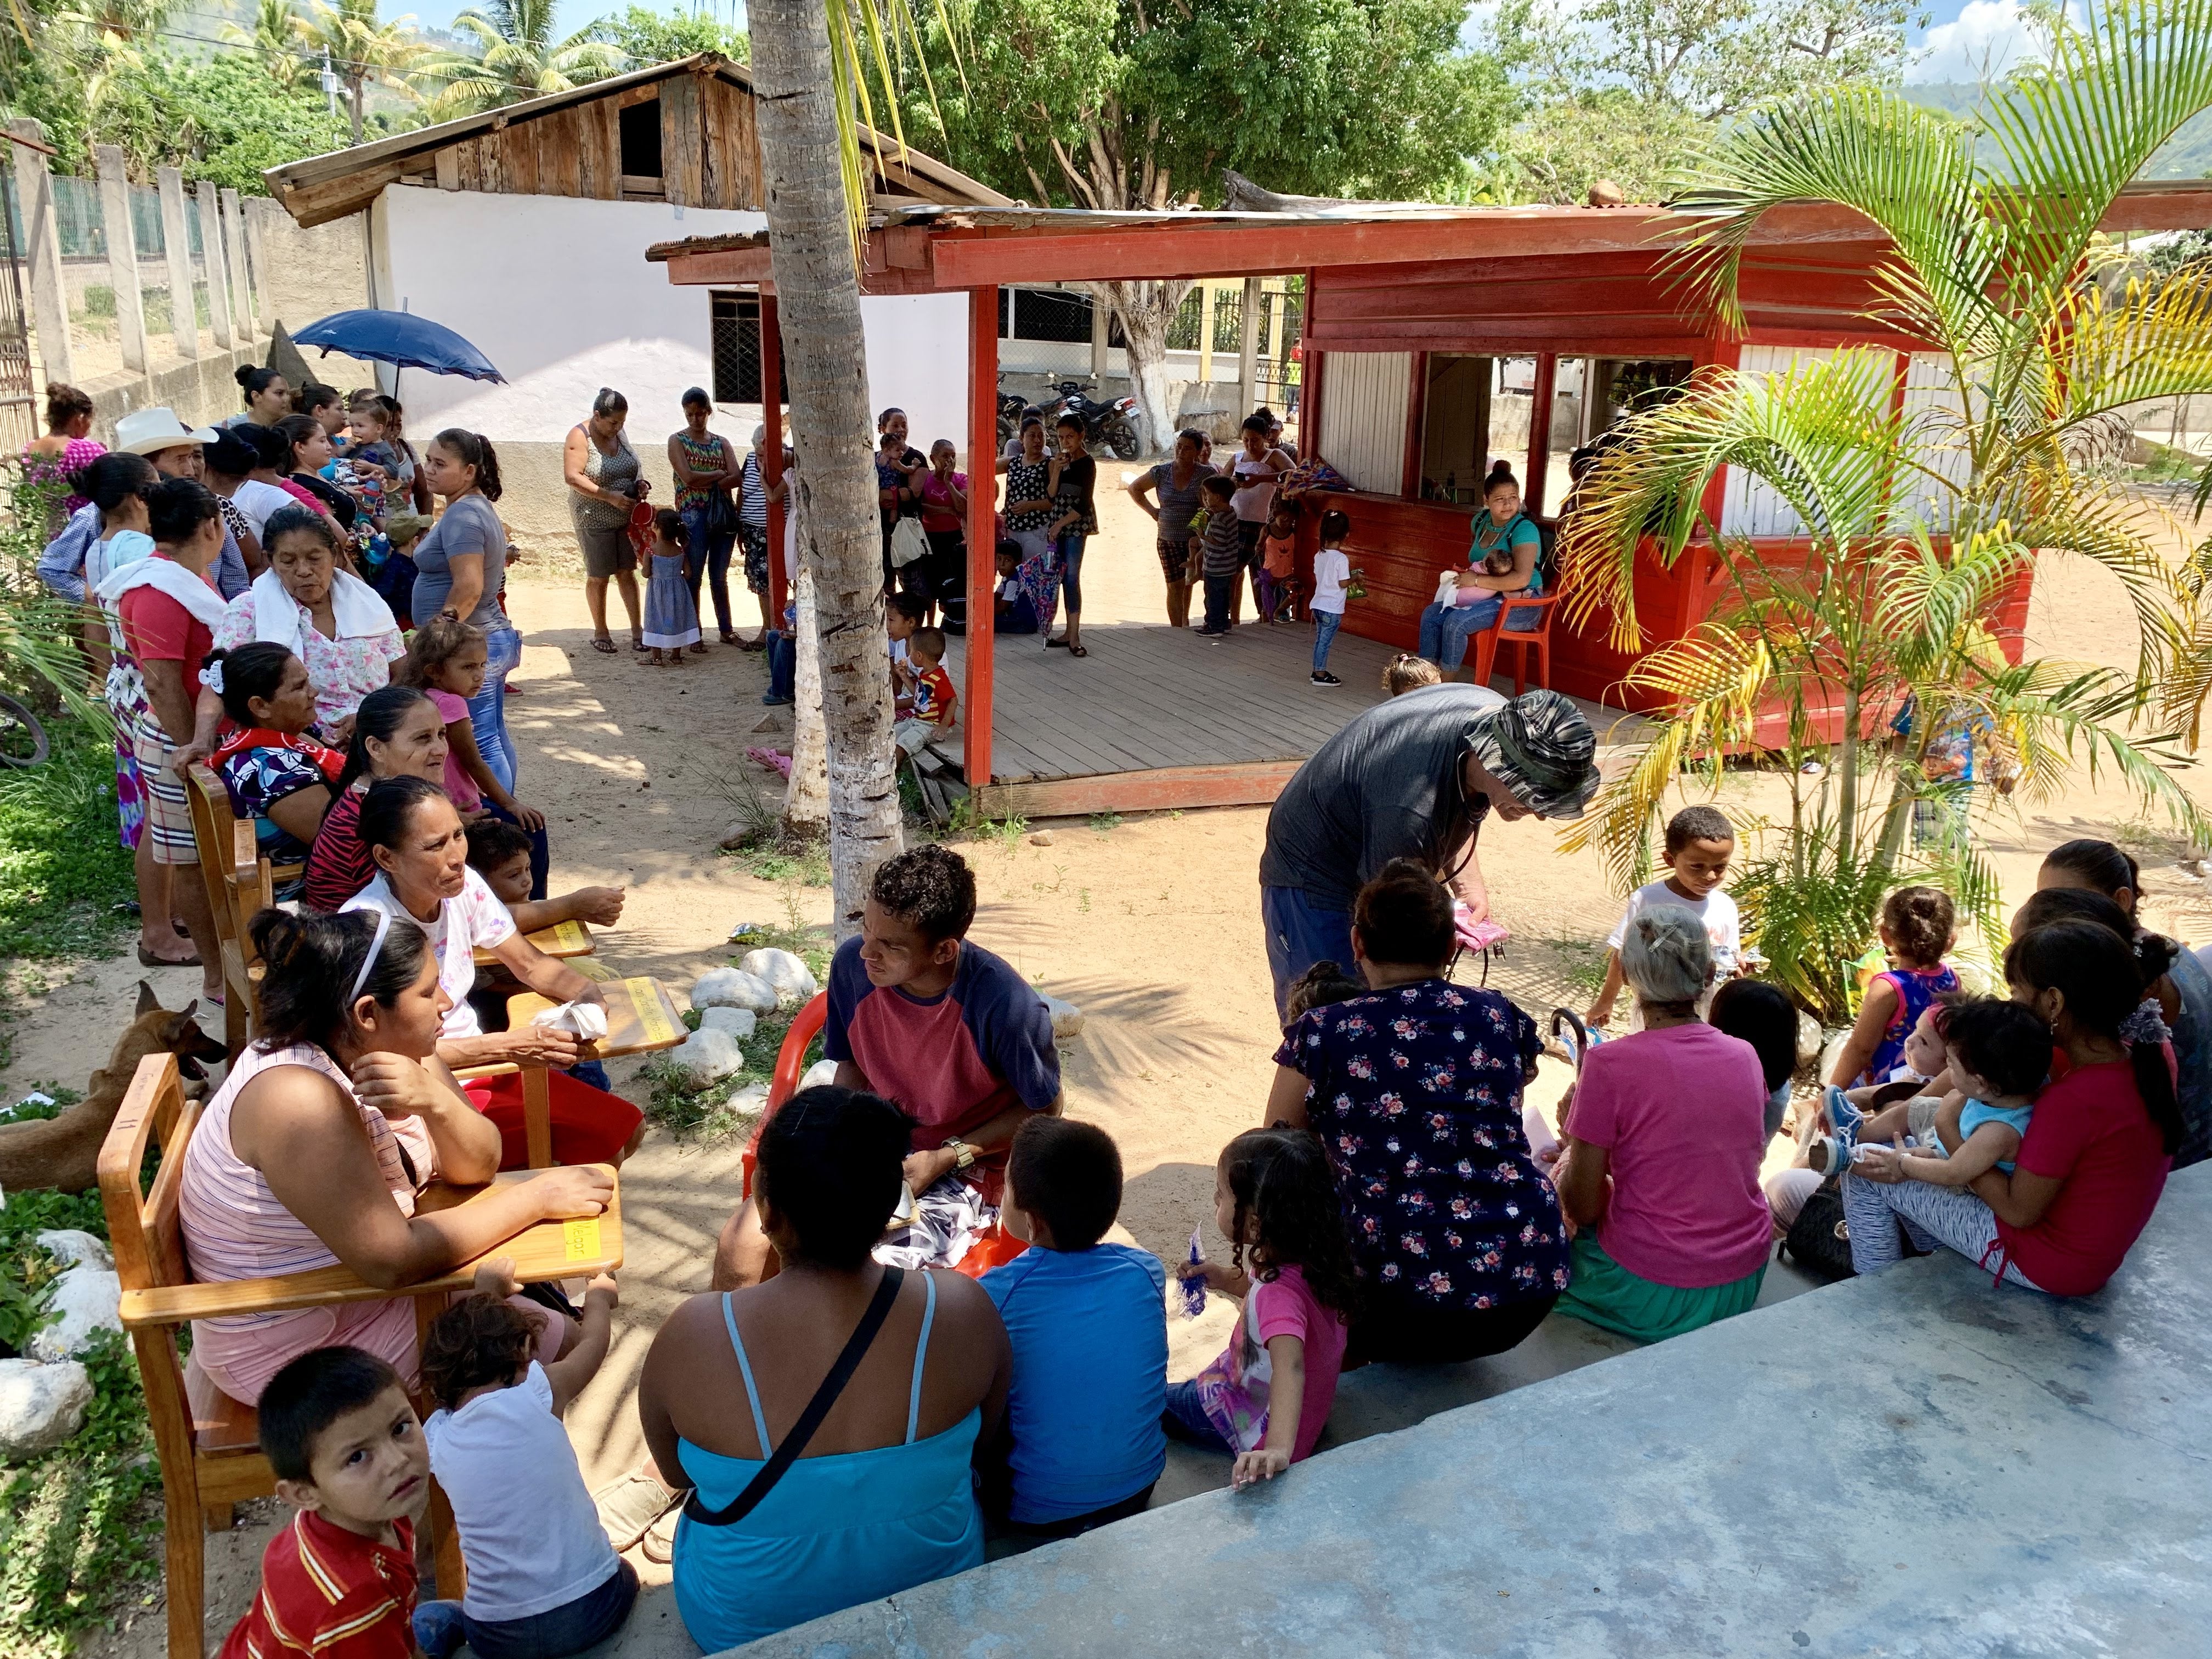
(1109, 426)
(1011, 409)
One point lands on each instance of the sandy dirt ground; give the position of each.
(1150, 925)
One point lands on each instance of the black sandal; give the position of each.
(1077, 651)
(604, 644)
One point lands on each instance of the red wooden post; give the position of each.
(1540, 431)
(771, 460)
(982, 524)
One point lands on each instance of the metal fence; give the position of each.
(19, 410)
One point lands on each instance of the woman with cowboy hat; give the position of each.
(1413, 777)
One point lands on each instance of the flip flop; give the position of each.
(639, 644)
(147, 959)
(1077, 651)
(603, 645)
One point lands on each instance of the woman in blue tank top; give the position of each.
(879, 1497)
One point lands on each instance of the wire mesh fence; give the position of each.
(149, 237)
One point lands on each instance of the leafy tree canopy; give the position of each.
(645, 36)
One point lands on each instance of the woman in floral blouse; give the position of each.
(1415, 1090)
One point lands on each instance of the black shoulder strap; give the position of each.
(856, 1346)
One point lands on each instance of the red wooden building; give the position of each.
(1436, 340)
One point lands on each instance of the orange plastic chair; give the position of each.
(991, 1247)
(1536, 642)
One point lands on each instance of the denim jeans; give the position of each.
(1326, 622)
(1447, 629)
(1218, 592)
(1299, 935)
(1186, 1419)
(707, 554)
(442, 1627)
(487, 709)
(782, 666)
(1070, 549)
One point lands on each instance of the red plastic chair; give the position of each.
(1536, 641)
(990, 1249)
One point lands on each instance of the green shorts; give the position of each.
(1606, 1294)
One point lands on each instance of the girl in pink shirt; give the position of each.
(1265, 1400)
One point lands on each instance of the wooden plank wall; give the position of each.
(710, 148)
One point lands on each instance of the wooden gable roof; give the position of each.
(569, 144)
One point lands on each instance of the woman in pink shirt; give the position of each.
(1664, 1137)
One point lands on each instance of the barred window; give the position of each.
(737, 349)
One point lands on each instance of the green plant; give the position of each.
(1582, 965)
(63, 868)
(27, 1279)
(1105, 822)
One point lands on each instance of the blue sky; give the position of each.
(1962, 37)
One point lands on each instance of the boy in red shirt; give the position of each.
(934, 696)
(339, 1582)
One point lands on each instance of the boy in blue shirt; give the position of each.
(1089, 1327)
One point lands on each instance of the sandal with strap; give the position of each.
(602, 644)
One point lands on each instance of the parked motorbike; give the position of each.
(1011, 408)
(1111, 427)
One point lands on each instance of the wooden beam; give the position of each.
(1253, 783)
(1540, 431)
(317, 205)
(724, 268)
(982, 534)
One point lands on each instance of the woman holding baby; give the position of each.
(1501, 564)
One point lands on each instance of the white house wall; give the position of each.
(556, 291)
(1363, 403)
(1749, 507)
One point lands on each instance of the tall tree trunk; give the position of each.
(819, 288)
(1145, 310)
(806, 804)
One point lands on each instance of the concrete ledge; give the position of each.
(1918, 1464)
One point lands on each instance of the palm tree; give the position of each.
(361, 52)
(516, 58)
(278, 39)
(813, 191)
(1918, 522)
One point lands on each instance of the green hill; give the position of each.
(2189, 155)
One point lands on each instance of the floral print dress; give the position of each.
(1416, 1093)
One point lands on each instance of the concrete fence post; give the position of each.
(183, 309)
(257, 258)
(234, 243)
(42, 254)
(122, 256)
(1247, 348)
(218, 267)
(1101, 323)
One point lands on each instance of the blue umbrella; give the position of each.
(399, 337)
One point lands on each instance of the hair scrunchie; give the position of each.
(2146, 1025)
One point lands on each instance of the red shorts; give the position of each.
(590, 1126)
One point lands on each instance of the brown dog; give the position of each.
(63, 1152)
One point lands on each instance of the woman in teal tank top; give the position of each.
(880, 1497)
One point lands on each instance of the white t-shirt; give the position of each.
(475, 918)
(1716, 910)
(530, 1535)
(1252, 505)
(1332, 569)
(256, 501)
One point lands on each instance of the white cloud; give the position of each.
(1990, 38)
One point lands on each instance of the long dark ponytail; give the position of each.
(379, 717)
(473, 449)
(2104, 978)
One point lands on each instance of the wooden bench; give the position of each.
(239, 882)
(210, 1463)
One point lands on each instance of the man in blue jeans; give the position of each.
(1413, 777)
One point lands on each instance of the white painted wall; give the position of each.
(1748, 506)
(1363, 416)
(556, 291)
(1937, 421)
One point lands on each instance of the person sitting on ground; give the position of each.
(949, 1033)
(2094, 1156)
(1090, 1342)
(913, 1369)
(902, 614)
(933, 694)
(1320, 985)
(1415, 1090)
(343, 1443)
(415, 837)
(1917, 927)
(543, 1580)
(2184, 991)
(1408, 672)
(312, 1153)
(446, 661)
(1756, 1013)
(1014, 607)
(1999, 1055)
(272, 766)
(1267, 1398)
(1700, 842)
(1661, 1172)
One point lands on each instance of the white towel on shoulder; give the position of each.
(172, 579)
(359, 610)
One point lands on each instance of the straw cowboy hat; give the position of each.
(148, 431)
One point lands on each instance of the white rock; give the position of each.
(781, 969)
(74, 1248)
(821, 1073)
(1040, 838)
(751, 1100)
(1066, 1018)
(1809, 1037)
(733, 988)
(707, 1056)
(85, 1301)
(40, 1405)
(737, 1022)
